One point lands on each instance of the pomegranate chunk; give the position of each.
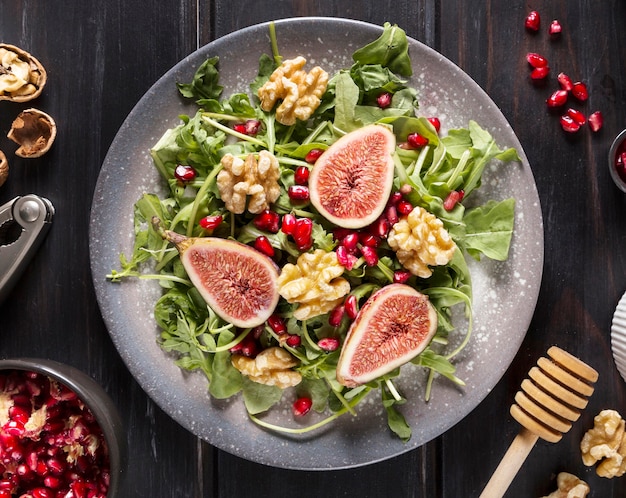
(595, 121)
(533, 21)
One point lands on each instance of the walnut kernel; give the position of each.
(314, 282)
(250, 181)
(271, 367)
(4, 168)
(605, 443)
(569, 486)
(22, 77)
(299, 91)
(420, 241)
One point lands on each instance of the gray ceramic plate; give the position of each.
(501, 316)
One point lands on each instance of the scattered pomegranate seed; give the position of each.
(380, 228)
(302, 406)
(533, 21)
(577, 116)
(540, 73)
(328, 344)
(369, 255)
(345, 258)
(293, 341)
(453, 198)
(185, 173)
(394, 198)
(288, 224)
(555, 28)
(263, 245)
(302, 234)
(384, 100)
(250, 127)
(298, 192)
(350, 241)
(557, 99)
(536, 60)
(211, 222)
(401, 276)
(416, 141)
(351, 305)
(301, 175)
(565, 81)
(404, 207)
(277, 324)
(579, 90)
(336, 315)
(313, 155)
(595, 121)
(569, 124)
(267, 220)
(436, 124)
(369, 240)
(391, 214)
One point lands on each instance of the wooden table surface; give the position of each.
(102, 56)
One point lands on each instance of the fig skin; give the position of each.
(351, 181)
(237, 282)
(367, 352)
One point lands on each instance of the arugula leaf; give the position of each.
(204, 84)
(259, 398)
(390, 50)
(489, 229)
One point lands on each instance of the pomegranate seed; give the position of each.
(565, 81)
(211, 222)
(369, 240)
(298, 192)
(52, 482)
(293, 341)
(416, 141)
(533, 21)
(263, 245)
(345, 258)
(19, 414)
(401, 276)
(369, 255)
(595, 121)
(14, 428)
(250, 127)
(577, 116)
(340, 233)
(392, 215)
(555, 28)
(288, 224)
(313, 155)
(301, 175)
(302, 406)
(277, 324)
(557, 99)
(380, 228)
(240, 128)
(328, 344)
(436, 124)
(302, 234)
(384, 100)
(540, 73)
(404, 207)
(185, 173)
(350, 241)
(267, 220)
(568, 124)
(351, 305)
(454, 197)
(394, 198)
(579, 90)
(42, 493)
(536, 60)
(248, 347)
(336, 315)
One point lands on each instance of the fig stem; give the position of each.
(210, 179)
(392, 389)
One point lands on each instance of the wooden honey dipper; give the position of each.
(547, 405)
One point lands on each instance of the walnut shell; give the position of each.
(34, 131)
(4, 168)
(33, 82)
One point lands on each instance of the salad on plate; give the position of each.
(313, 235)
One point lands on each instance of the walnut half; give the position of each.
(569, 486)
(34, 131)
(22, 76)
(605, 443)
(4, 168)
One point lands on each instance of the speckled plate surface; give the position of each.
(618, 336)
(505, 293)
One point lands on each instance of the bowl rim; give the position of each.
(98, 401)
(621, 137)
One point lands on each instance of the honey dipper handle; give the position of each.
(510, 464)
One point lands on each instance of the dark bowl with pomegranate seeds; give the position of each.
(81, 441)
(617, 161)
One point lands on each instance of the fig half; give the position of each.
(351, 181)
(237, 282)
(394, 325)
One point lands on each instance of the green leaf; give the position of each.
(395, 420)
(259, 398)
(205, 82)
(226, 379)
(390, 50)
(347, 97)
(489, 229)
